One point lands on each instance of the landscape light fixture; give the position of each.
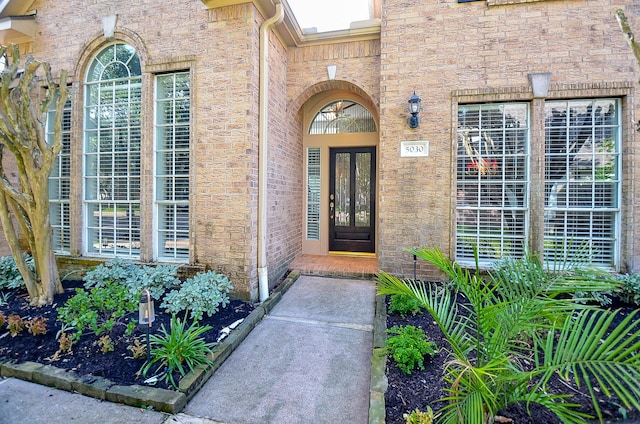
(146, 315)
(414, 109)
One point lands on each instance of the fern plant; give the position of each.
(522, 308)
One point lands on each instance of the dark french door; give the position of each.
(352, 199)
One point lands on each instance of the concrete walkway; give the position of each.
(308, 360)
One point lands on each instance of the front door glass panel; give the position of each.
(343, 189)
(363, 190)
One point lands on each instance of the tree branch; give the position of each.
(626, 29)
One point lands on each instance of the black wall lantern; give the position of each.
(414, 109)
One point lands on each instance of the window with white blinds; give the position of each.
(112, 131)
(172, 144)
(492, 181)
(582, 184)
(582, 157)
(313, 193)
(60, 182)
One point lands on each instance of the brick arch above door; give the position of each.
(369, 100)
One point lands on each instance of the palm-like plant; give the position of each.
(517, 330)
(181, 345)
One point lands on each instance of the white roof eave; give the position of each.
(291, 33)
(17, 30)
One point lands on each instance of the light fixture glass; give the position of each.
(414, 103)
(146, 312)
(414, 109)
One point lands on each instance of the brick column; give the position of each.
(536, 178)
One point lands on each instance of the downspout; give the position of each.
(263, 138)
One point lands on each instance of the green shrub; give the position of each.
(603, 298)
(627, 292)
(178, 347)
(205, 292)
(136, 278)
(116, 270)
(10, 277)
(630, 290)
(409, 346)
(98, 309)
(157, 279)
(404, 304)
(490, 368)
(418, 417)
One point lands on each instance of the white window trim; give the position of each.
(156, 202)
(134, 253)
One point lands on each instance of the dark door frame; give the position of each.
(352, 238)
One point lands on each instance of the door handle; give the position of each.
(331, 206)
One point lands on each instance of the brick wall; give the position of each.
(436, 48)
(284, 220)
(220, 46)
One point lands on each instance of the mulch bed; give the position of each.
(87, 358)
(423, 388)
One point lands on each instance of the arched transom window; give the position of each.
(112, 131)
(342, 116)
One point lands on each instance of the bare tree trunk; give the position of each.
(44, 257)
(23, 109)
(11, 235)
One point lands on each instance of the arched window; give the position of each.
(342, 116)
(112, 131)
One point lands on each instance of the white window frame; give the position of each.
(171, 244)
(596, 200)
(59, 198)
(483, 165)
(102, 200)
(560, 206)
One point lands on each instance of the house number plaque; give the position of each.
(414, 149)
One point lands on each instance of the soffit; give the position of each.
(18, 29)
(291, 33)
(15, 7)
(17, 21)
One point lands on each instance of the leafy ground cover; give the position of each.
(117, 357)
(423, 388)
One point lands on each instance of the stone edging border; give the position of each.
(162, 400)
(379, 382)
